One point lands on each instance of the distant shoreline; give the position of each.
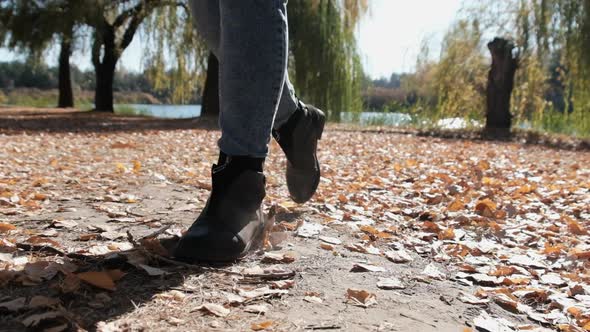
(34, 97)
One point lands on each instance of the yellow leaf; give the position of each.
(136, 166)
(456, 205)
(342, 199)
(447, 234)
(100, 279)
(575, 228)
(503, 271)
(261, 326)
(574, 311)
(369, 229)
(120, 168)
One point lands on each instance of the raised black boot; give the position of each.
(299, 139)
(232, 220)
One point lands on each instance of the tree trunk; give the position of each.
(500, 85)
(210, 100)
(103, 93)
(66, 97)
(104, 69)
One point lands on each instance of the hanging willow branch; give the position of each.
(325, 60)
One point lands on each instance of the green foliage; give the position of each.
(460, 75)
(129, 110)
(174, 54)
(325, 60)
(31, 26)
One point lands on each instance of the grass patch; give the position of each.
(128, 110)
(573, 124)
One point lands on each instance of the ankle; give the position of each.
(241, 162)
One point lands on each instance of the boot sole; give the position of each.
(215, 255)
(319, 132)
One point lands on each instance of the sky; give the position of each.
(389, 36)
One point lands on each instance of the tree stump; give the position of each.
(500, 85)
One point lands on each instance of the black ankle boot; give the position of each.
(299, 138)
(232, 219)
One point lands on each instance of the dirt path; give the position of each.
(498, 224)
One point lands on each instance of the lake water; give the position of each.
(365, 118)
(163, 111)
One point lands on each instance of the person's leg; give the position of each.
(252, 61)
(206, 17)
(252, 55)
(288, 104)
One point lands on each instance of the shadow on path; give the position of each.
(87, 305)
(19, 120)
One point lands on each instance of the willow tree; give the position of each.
(552, 39)
(325, 64)
(174, 55)
(460, 75)
(115, 24)
(32, 26)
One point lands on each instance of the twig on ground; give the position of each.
(52, 250)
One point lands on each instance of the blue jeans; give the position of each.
(250, 40)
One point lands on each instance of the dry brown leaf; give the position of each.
(390, 283)
(42, 240)
(361, 297)
(63, 224)
(14, 305)
(433, 272)
(578, 253)
(507, 303)
(39, 301)
(273, 258)
(282, 284)
(456, 205)
(486, 208)
(575, 227)
(399, 256)
(503, 271)
(36, 319)
(429, 226)
(152, 271)
(256, 309)
(261, 326)
(100, 279)
(4, 227)
(153, 245)
(70, 284)
(88, 237)
(447, 234)
(214, 309)
(359, 267)
(326, 246)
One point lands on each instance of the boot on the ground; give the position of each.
(298, 138)
(232, 220)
